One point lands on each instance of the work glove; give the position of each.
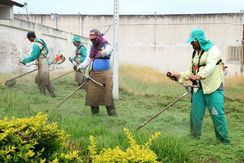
(172, 76)
(101, 52)
(70, 59)
(80, 67)
(21, 61)
(75, 67)
(195, 77)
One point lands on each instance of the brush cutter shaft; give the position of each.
(88, 77)
(23, 74)
(188, 89)
(63, 75)
(71, 94)
(12, 81)
(171, 104)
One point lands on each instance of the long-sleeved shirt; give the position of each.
(211, 73)
(105, 52)
(38, 48)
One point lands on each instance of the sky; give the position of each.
(130, 6)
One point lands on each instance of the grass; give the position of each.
(143, 93)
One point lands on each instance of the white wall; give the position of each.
(157, 41)
(14, 45)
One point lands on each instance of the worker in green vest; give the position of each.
(39, 53)
(206, 71)
(80, 56)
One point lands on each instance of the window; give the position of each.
(236, 53)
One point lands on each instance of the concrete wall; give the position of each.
(14, 45)
(157, 41)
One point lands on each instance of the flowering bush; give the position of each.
(134, 153)
(33, 140)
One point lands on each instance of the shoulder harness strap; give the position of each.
(42, 43)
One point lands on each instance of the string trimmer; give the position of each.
(188, 91)
(59, 59)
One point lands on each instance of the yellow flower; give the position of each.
(134, 153)
(93, 147)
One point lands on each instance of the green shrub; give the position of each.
(33, 140)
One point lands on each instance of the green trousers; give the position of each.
(215, 104)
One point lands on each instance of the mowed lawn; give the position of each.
(143, 93)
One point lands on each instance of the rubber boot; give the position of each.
(51, 90)
(42, 89)
(95, 109)
(111, 110)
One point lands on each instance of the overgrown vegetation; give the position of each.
(143, 93)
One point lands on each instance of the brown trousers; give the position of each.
(42, 78)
